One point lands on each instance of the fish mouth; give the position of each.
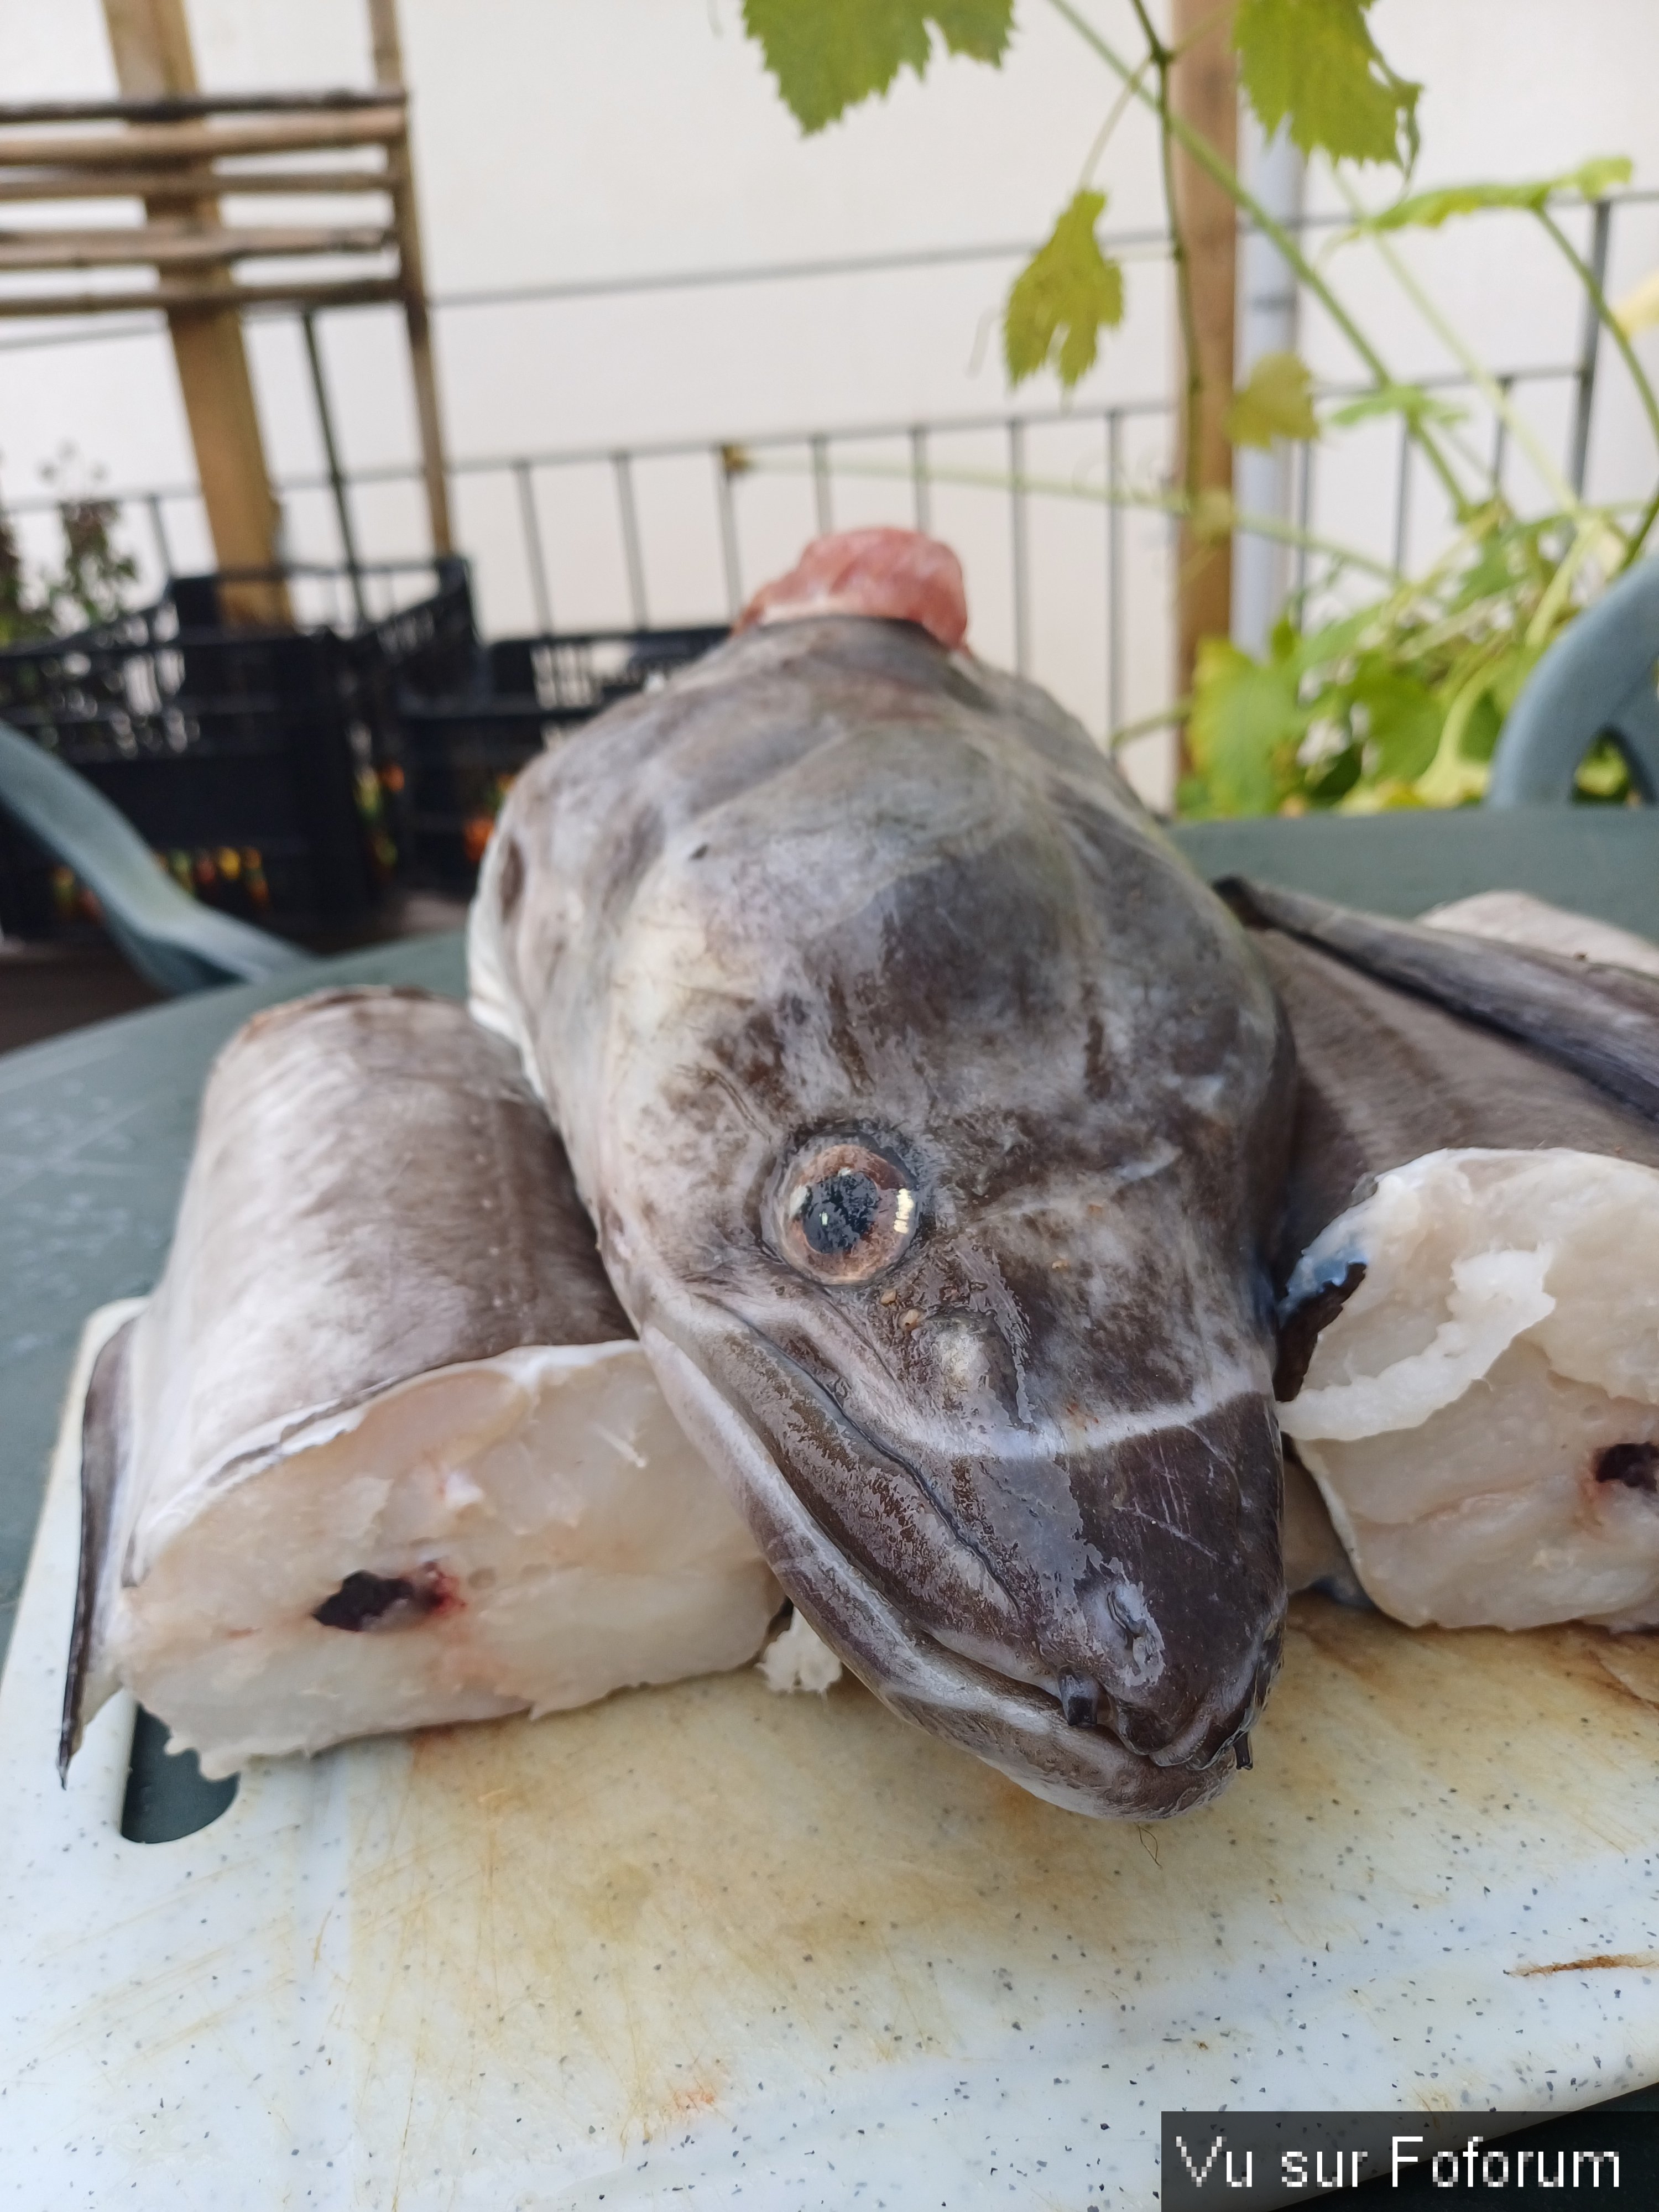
(1029, 1731)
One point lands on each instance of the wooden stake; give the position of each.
(1204, 92)
(389, 73)
(151, 39)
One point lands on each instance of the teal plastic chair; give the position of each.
(1596, 680)
(174, 943)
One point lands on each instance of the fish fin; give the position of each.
(1601, 1022)
(104, 1442)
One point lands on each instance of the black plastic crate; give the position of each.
(462, 750)
(263, 766)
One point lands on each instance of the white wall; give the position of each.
(564, 139)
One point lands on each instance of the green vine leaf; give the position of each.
(1592, 180)
(1407, 399)
(1275, 401)
(829, 54)
(1064, 297)
(1246, 723)
(1314, 64)
(1402, 720)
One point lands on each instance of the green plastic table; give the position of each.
(96, 1127)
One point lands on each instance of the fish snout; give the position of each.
(1172, 1631)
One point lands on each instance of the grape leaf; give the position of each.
(1245, 725)
(1068, 293)
(1591, 180)
(1402, 720)
(1273, 402)
(1407, 399)
(829, 54)
(1315, 64)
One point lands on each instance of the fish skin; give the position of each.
(835, 880)
(1598, 1020)
(1412, 1040)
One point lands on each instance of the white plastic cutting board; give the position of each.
(709, 1945)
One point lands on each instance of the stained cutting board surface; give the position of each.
(789, 1951)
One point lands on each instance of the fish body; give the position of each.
(932, 1117)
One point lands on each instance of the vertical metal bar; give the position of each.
(1018, 547)
(624, 464)
(1402, 496)
(728, 514)
(1304, 520)
(159, 530)
(530, 523)
(332, 454)
(1500, 443)
(921, 490)
(822, 509)
(1589, 346)
(1113, 573)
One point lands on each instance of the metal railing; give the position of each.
(1116, 453)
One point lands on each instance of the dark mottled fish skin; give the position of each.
(1600, 1023)
(1384, 1075)
(104, 1431)
(837, 881)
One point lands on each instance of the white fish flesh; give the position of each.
(1482, 1414)
(381, 1451)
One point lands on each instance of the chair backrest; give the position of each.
(1596, 680)
(174, 943)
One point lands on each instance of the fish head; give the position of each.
(949, 1115)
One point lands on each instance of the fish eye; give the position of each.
(846, 1210)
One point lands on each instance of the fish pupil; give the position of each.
(840, 1212)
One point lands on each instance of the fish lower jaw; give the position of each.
(1084, 1701)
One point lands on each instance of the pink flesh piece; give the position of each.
(897, 574)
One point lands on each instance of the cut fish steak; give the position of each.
(382, 1450)
(1469, 1348)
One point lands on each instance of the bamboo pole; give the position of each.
(161, 245)
(190, 183)
(179, 107)
(382, 126)
(174, 296)
(1203, 94)
(150, 40)
(389, 73)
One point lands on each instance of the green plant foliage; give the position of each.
(1313, 64)
(1591, 180)
(1396, 704)
(1275, 401)
(92, 585)
(1407, 399)
(829, 54)
(1247, 721)
(24, 614)
(89, 588)
(1063, 298)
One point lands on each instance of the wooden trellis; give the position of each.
(179, 152)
